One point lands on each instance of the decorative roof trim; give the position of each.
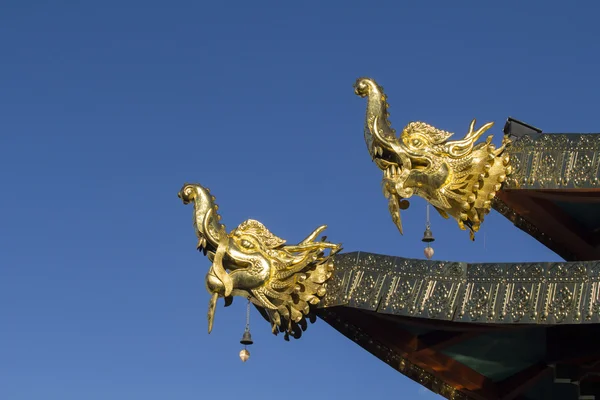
(517, 293)
(555, 161)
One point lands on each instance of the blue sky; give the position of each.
(107, 108)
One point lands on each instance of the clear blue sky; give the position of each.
(107, 108)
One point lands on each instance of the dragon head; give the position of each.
(458, 178)
(283, 281)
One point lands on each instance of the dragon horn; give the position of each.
(311, 238)
(459, 148)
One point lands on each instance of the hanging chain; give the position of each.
(428, 224)
(248, 316)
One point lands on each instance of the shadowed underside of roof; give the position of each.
(473, 331)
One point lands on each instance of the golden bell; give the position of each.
(428, 236)
(246, 339)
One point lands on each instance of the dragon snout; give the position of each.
(187, 193)
(361, 87)
(185, 199)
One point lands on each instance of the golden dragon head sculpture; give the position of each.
(458, 178)
(283, 281)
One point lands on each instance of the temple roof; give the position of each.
(473, 331)
(554, 191)
(494, 331)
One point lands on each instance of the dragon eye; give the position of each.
(416, 143)
(246, 244)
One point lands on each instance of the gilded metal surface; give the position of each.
(519, 293)
(283, 281)
(391, 357)
(555, 161)
(550, 161)
(458, 178)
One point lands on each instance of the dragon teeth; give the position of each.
(392, 171)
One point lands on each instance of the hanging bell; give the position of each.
(246, 339)
(428, 236)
